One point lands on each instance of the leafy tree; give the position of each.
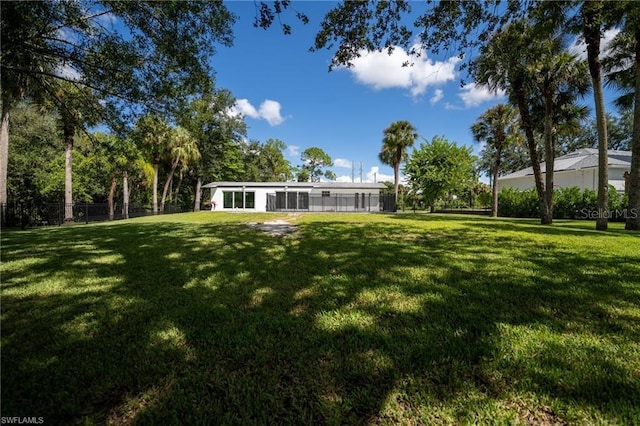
(314, 161)
(593, 25)
(122, 155)
(266, 162)
(273, 165)
(625, 73)
(183, 151)
(496, 127)
(157, 55)
(152, 134)
(619, 130)
(77, 107)
(34, 143)
(218, 135)
(504, 64)
(399, 136)
(439, 168)
(560, 77)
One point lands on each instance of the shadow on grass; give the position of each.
(345, 323)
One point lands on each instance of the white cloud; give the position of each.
(373, 175)
(473, 95)
(293, 150)
(69, 73)
(579, 47)
(244, 107)
(269, 111)
(342, 163)
(437, 96)
(344, 178)
(382, 71)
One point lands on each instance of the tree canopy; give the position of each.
(315, 163)
(440, 168)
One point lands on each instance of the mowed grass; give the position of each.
(353, 319)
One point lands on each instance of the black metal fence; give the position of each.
(356, 202)
(21, 215)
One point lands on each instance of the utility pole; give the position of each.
(353, 177)
(361, 172)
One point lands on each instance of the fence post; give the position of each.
(86, 213)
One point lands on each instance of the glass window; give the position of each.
(357, 198)
(281, 200)
(250, 200)
(227, 199)
(292, 198)
(238, 202)
(326, 193)
(303, 200)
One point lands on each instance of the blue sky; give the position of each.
(286, 92)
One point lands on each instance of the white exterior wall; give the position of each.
(260, 198)
(583, 179)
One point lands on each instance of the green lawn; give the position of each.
(353, 319)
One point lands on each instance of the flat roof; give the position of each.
(327, 185)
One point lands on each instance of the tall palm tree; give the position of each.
(77, 106)
(496, 126)
(399, 136)
(623, 72)
(504, 64)
(593, 17)
(152, 132)
(184, 150)
(561, 77)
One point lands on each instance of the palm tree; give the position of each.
(77, 106)
(623, 72)
(152, 132)
(503, 64)
(399, 136)
(560, 78)
(497, 126)
(593, 18)
(184, 150)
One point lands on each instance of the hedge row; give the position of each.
(569, 203)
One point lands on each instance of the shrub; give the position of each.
(569, 203)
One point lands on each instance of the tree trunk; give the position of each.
(69, 132)
(523, 107)
(125, 195)
(494, 190)
(549, 157)
(592, 17)
(112, 193)
(633, 211)
(167, 183)
(196, 207)
(177, 191)
(396, 179)
(156, 163)
(4, 154)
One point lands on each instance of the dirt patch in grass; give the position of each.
(536, 416)
(275, 228)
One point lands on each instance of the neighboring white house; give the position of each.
(296, 196)
(579, 168)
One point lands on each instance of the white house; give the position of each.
(296, 196)
(579, 168)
